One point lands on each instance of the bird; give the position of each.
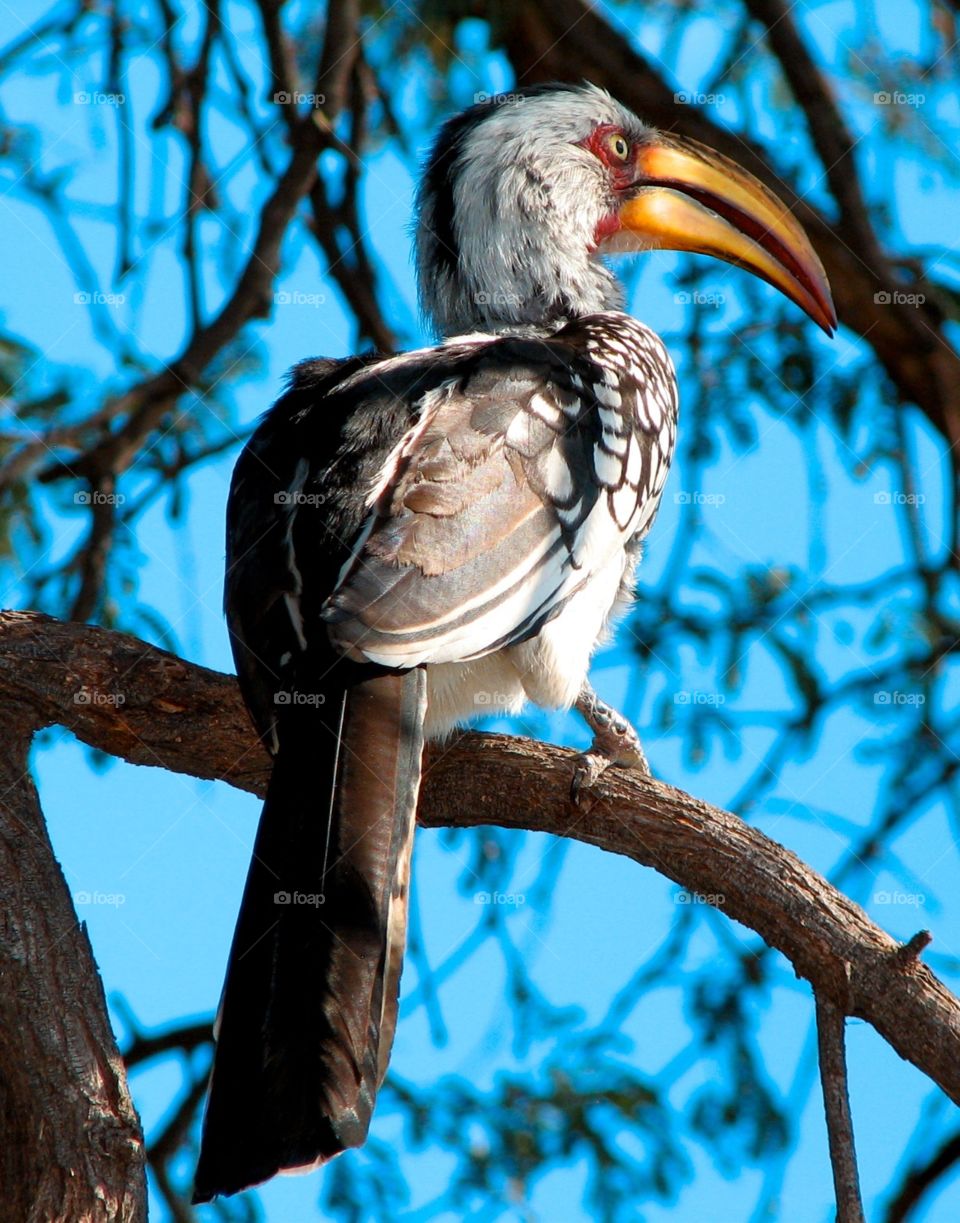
(413, 538)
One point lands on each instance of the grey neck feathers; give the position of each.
(510, 275)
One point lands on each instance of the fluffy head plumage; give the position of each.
(508, 207)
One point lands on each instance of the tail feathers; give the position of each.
(310, 999)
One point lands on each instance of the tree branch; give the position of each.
(72, 1146)
(144, 406)
(149, 707)
(831, 137)
(921, 1178)
(836, 1103)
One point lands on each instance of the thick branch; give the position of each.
(149, 707)
(72, 1146)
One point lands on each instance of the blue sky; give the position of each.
(168, 855)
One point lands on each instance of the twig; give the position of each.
(836, 1103)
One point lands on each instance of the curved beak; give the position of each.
(690, 198)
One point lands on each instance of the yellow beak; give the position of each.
(693, 199)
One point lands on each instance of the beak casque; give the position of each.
(693, 199)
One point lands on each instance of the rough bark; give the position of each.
(836, 1104)
(70, 1142)
(188, 719)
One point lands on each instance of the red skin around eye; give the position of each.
(598, 143)
(622, 174)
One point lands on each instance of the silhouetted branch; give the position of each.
(831, 137)
(921, 1178)
(99, 456)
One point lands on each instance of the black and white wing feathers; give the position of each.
(521, 478)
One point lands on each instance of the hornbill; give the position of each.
(413, 537)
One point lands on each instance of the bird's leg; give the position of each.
(614, 741)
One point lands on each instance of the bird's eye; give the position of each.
(618, 146)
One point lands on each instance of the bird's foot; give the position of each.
(614, 742)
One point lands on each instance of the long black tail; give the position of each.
(310, 1000)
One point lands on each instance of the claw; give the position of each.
(614, 742)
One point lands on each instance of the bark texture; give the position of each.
(188, 719)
